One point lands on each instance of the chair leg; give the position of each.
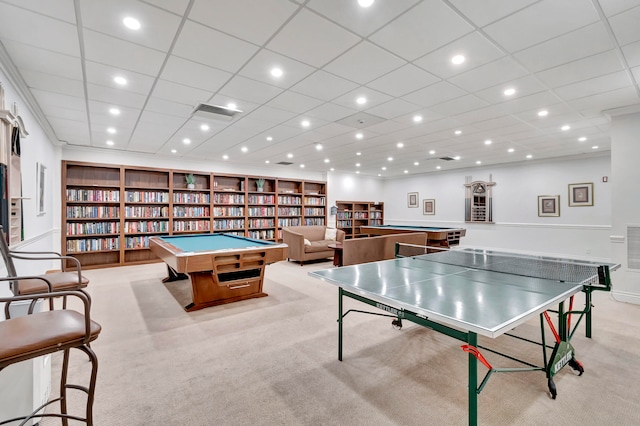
(90, 390)
(63, 387)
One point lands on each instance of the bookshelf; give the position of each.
(354, 214)
(110, 211)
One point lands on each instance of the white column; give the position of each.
(625, 197)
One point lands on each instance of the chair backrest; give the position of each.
(8, 261)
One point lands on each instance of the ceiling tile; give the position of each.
(323, 40)
(594, 86)
(103, 75)
(115, 96)
(488, 11)
(294, 102)
(625, 26)
(58, 9)
(364, 63)
(121, 54)
(27, 57)
(192, 74)
(259, 69)
(210, 47)
(179, 93)
(393, 109)
(403, 80)
(569, 47)
(323, 85)
(242, 88)
(498, 72)
(53, 83)
(434, 94)
(38, 30)
(541, 21)
(253, 21)
(425, 27)
(582, 69)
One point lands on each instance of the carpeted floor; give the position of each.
(273, 361)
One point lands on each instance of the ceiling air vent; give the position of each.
(285, 163)
(215, 112)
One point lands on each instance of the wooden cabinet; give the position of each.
(352, 215)
(110, 211)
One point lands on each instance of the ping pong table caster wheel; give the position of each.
(552, 389)
(576, 365)
(397, 323)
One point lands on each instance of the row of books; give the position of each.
(289, 211)
(261, 199)
(92, 212)
(93, 244)
(228, 223)
(146, 211)
(92, 228)
(261, 223)
(288, 222)
(314, 221)
(184, 211)
(93, 195)
(313, 211)
(287, 199)
(262, 211)
(191, 225)
(228, 211)
(264, 234)
(315, 201)
(222, 198)
(147, 226)
(191, 197)
(146, 197)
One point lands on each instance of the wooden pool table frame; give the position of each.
(220, 276)
(438, 237)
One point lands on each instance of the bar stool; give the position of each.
(46, 332)
(56, 281)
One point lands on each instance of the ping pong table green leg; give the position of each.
(472, 339)
(340, 323)
(587, 303)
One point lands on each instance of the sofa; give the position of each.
(381, 247)
(318, 247)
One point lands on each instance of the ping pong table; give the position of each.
(468, 292)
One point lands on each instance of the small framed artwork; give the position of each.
(41, 174)
(412, 199)
(429, 206)
(548, 205)
(580, 194)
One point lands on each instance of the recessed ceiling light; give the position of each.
(416, 164)
(225, 157)
(326, 160)
(357, 164)
(276, 72)
(186, 141)
(478, 162)
(438, 167)
(332, 169)
(406, 171)
(457, 157)
(417, 118)
(302, 166)
(361, 100)
(432, 152)
(400, 145)
(565, 127)
(111, 130)
(458, 132)
(358, 153)
(488, 142)
(379, 174)
(359, 135)
(390, 158)
(318, 147)
(529, 156)
(110, 143)
(114, 111)
(131, 23)
(231, 105)
(120, 80)
(204, 127)
(267, 161)
(244, 149)
(173, 151)
(458, 59)
(595, 147)
(357, 172)
(510, 91)
(365, 3)
(289, 155)
(384, 168)
(543, 113)
(269, 138)
(305, 123)
(510, 150)
(582, 139)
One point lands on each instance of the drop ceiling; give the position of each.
(573, 59)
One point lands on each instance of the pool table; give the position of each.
(436, 236)
(223, 268)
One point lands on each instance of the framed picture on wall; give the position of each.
(580, 194)
(429, 206)
(548, 205)
(41, 174)
(412, 199)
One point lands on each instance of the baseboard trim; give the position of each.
(621, 296)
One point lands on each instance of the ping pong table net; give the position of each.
(558, 269)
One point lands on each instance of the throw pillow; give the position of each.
(307, 242)
(330, 234)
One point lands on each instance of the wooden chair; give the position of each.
(46, 332)
(56, 281)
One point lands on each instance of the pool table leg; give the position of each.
(174, 275)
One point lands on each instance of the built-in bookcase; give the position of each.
(110, 211)
(352, 215)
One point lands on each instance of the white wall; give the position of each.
(351, 187)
